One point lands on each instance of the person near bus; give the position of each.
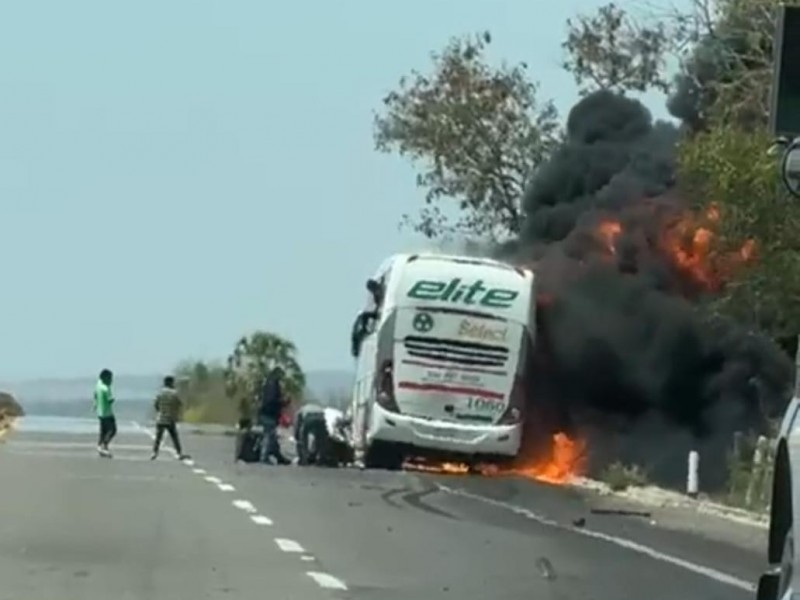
(104, 408)
(272, 404)
(309, 422)
(168, 407)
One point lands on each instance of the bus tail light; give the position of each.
(385, 387)
(515, 413)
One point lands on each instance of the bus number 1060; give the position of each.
(485, 405)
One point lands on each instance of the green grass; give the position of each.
(619, 476)
(749, 487)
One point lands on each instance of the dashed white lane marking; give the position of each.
(152, 435)
(288, 545)
(709, 572)
(324, 580)
(245, 505)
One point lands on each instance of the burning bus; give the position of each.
(443, 350)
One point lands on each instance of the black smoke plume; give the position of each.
(621, 335)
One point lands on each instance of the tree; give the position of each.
(480, 133)
(726, 71)
(612, 51)
(723, 49)
(254, 357)
(730, 166)
(9, 407)
(202, 388)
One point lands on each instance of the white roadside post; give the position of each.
(757, 472)
(692, 480)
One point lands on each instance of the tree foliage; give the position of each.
(612, 51)
(222, 393)
(254, 357)
(479, 132)
(9, 407)
(202, 388)
(730, 166)
(722, 48)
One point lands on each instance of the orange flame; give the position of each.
(566, 461)
(689, 241)
(608, 232)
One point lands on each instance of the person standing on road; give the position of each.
(269, 414)
(168, 405)
(104, 407)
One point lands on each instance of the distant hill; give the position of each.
(321, 385)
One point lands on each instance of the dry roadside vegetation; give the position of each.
(10, 409)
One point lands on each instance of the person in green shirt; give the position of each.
(104, 407)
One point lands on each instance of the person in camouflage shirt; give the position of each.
(168, 406)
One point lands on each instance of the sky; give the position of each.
(174, 175)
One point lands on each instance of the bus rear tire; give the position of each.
(384, 455)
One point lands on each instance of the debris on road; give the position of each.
(546, 568)
(622, 512)
(662, 498)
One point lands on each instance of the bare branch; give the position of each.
(477, 131)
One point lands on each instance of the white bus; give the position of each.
(443, 348)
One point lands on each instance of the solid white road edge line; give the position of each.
(288, 545)
(327, 581)
(261, 520)
(78, 445)
(709, 572)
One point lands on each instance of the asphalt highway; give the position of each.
(77, 526)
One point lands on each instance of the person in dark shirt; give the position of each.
(269, 414)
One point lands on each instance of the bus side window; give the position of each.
(367, 319)
(362, 327)
(357, 335)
